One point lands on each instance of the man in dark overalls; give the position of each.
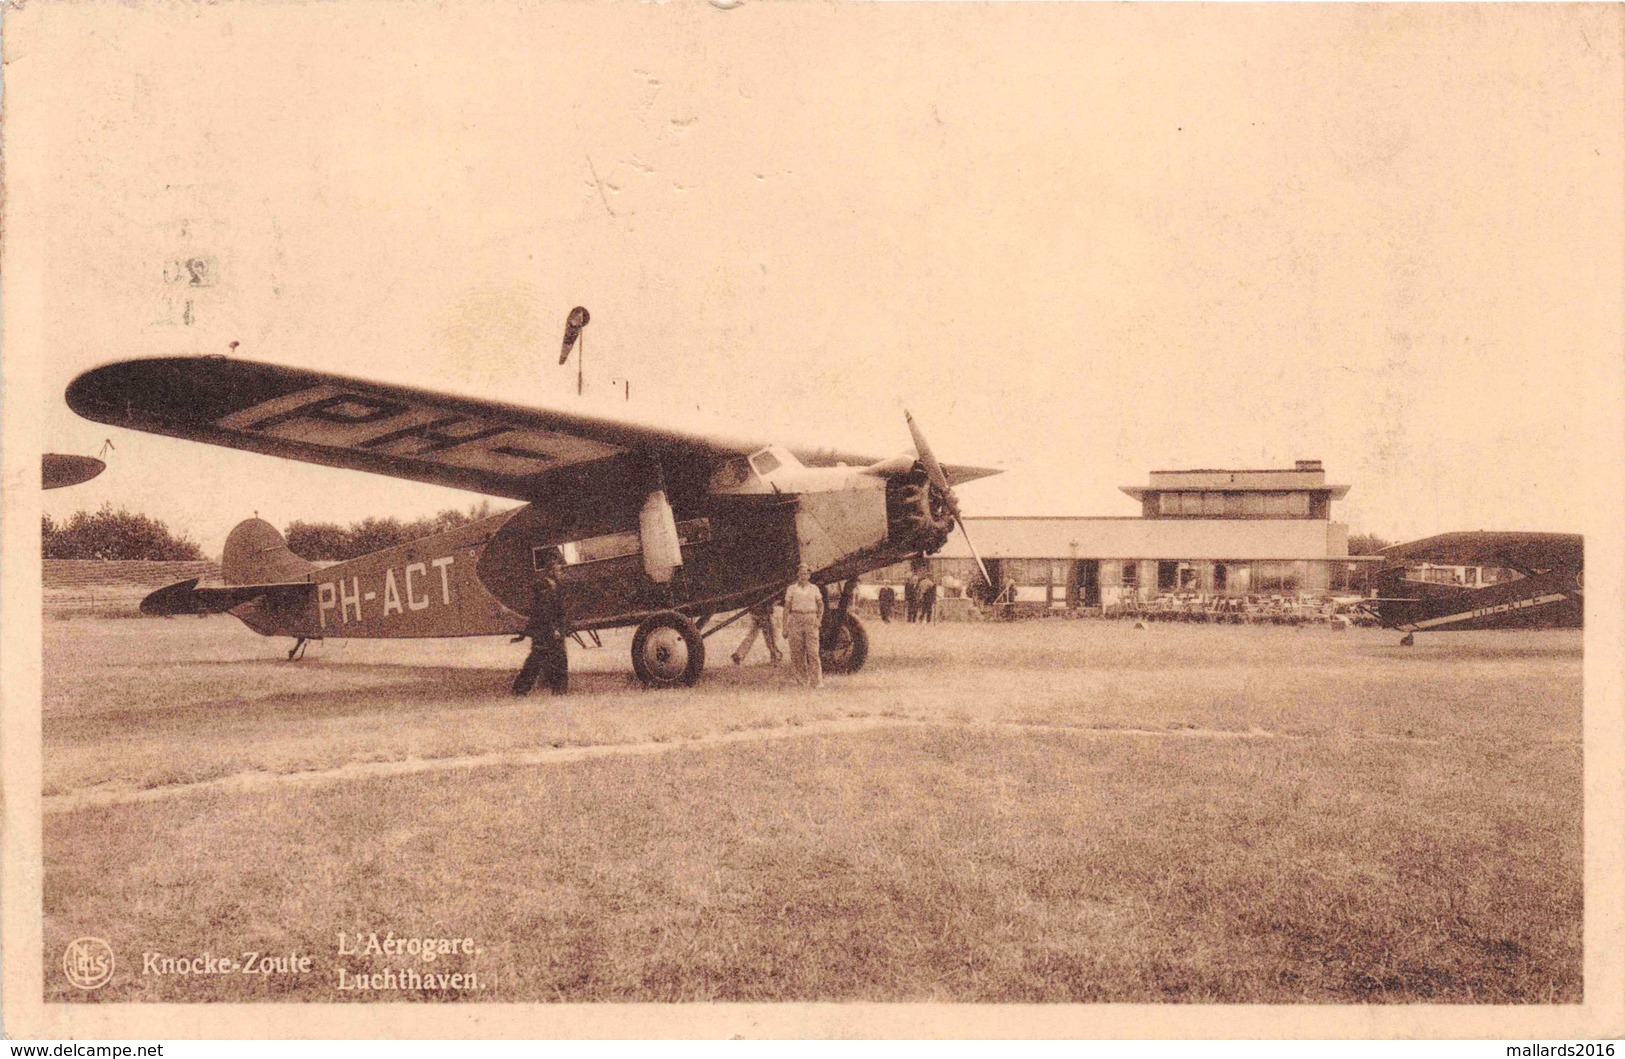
(549, 624)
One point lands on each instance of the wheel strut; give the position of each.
(835, 616)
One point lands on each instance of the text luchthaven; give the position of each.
(375, 946)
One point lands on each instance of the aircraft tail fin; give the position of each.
(256, 554)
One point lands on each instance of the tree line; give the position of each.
(109, 534)
(332, 541)
(122, 534)
(1367, 544)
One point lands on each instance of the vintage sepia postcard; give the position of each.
(812, 519)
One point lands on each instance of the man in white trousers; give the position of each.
(803, 617)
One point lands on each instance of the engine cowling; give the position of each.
(917, 513)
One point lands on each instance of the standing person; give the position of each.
(888, 601)
(911, 596)
(761, 624)
(549, 624)
(803, 618)
(928, 598)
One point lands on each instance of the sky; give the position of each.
(1080, 243)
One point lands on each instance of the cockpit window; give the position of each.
(765, 463)
(733, 473)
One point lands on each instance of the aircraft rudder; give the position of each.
(256, 553)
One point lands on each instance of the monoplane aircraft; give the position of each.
(660, 529)
(1481, 580)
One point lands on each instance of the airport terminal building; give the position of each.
(1200, 532)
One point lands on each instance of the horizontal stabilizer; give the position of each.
(186, 597)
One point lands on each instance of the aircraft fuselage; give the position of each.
(476, 580)
(1551, 599)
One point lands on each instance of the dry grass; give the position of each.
(1403, 825)
(149, 703)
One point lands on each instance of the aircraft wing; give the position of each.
(57, 471)
(1516, 551)
(484, 446)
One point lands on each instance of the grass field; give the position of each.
(1056, 811)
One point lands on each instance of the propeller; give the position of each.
(938, 478)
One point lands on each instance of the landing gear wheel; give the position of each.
(846, 647)
(668, 651)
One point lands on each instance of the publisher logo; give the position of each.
(88, 963)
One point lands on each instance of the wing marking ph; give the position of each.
(487, 446)
(329, 417)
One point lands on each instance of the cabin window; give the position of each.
(1439, 575)
(619, 545)
(765, 463)
(609, 546)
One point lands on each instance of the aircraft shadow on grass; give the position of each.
(1457, 652)
(417, 688)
